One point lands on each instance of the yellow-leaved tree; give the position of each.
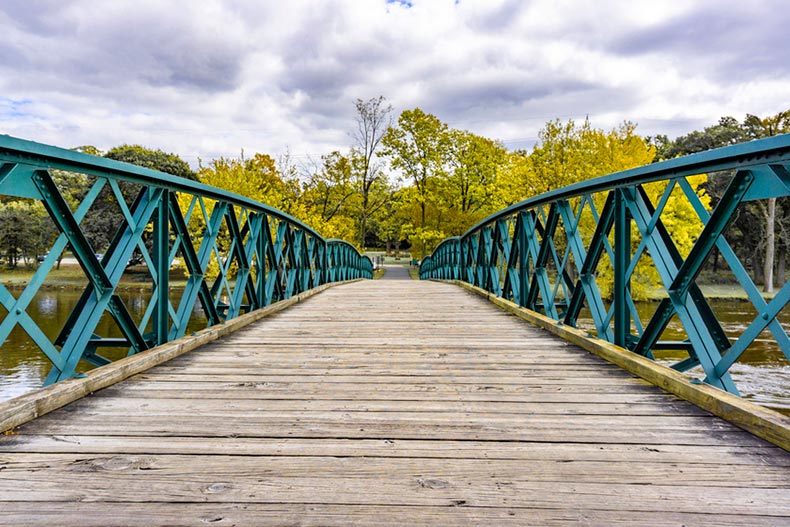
(569, 153)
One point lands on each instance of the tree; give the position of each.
(256, 178)
(418, 147)
(467, 192)
(23, 231)
(756, 128)
(753, 232)
(390, 223)
(568, 153)
(373, 119)
(105, 215)
(329, 197)
(153, 159)
(727, 131)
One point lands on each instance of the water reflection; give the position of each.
(47, 305)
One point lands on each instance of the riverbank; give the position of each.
(71, 277)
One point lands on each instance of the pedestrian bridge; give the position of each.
(315, 396)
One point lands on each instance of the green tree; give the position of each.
(418, 147)
(728, 131)
(753, 232)
(105, 216)
(329, 198)
(468, 190)
(23, 231)
(757, 128)
(153, 159)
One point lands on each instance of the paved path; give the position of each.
(396, 272)
(388, 404)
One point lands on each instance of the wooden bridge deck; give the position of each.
(389, 403)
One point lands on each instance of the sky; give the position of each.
(215, 77)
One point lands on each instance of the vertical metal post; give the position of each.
(622, 258)
(260, 272)
(162, 262)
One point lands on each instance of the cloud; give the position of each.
(729, 43)
(210, 78)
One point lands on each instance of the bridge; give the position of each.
(317, 396)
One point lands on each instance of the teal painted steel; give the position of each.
(522, 254)
(238, 254)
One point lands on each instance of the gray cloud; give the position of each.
(735, 42)
(221, 75)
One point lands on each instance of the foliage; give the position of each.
(762, 228)
(452, 175)
(329, 196)
(568, 153)
(153, 159)
(24, 232)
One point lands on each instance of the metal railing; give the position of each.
(581, 246)
(238, 255)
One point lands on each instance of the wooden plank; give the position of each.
(480, 483)
(350, 515)
(513, 450)
(581, 384)
(263, 390)
(427, 370)
(170, 469)
(366, 427)
(196, 404)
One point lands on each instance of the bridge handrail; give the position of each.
(239, 254)
(511, 254)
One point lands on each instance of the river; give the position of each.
(762, 375)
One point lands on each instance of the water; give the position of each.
(23, 366)
(762, 375)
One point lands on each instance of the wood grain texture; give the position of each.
(388, 403)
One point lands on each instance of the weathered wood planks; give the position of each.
(388, 403)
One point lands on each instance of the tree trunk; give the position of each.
(780, 266)
(770, 245)
(757, 267)
(422, 227)
(363, 229)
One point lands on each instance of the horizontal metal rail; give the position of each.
(554, 253)
(238, 255)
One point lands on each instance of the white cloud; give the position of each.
(219, 76)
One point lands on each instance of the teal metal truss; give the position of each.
(550, 253)
(239, 255)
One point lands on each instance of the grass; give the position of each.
(70, 276)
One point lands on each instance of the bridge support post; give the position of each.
(622, 257)
(162, 261)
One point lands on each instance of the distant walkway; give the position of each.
(396, 272)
